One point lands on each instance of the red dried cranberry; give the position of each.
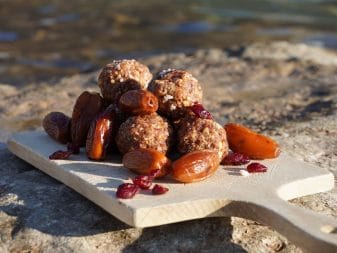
(127, 191)
(60, 155)
(256, 167)
(158, 189)
(200, 111)
(234, 158)
(73, 148)
(143, 181)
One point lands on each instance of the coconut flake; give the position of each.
(244, 173)
(167, 97)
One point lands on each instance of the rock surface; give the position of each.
(290, 95)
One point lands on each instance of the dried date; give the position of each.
(57, 126)
(88, 105)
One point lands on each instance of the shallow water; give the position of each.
(43, 40)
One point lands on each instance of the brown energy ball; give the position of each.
(197, 134)
(144, 131)
(120, 76)
(175, 90)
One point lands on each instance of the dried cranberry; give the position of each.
(158, 189)
(200, 111)
(234, 158)
(256, 167)
(60, 155)
(143, 181)
(73, 148)
(127, 191)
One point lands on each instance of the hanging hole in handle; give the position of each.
(329, 229)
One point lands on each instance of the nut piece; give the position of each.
(88, 105)
(120, 76)
(175, 90)
(147, 161)
(138, 102)
(99, 134)
(195, 133)
(195, 166)
(144, 131)
(245, 141)
(57, 126)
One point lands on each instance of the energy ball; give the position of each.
(196, 133)
(175, 90)
(120, 76)
(144, 131)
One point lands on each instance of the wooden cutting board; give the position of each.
(261, 197)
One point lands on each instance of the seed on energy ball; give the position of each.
(159, 189)
(138, 102)
(195, 166)
(256, 168)
(127, 191)
(234, 158)
(57, 126)
(195, 133)
(175, 90)
(100, 134)
(88, 105)
(248, 142)
(147, 162)
(149, 131)
(121, 76)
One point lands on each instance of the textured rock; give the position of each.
(286, 95)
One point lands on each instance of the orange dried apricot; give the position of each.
(248, 142)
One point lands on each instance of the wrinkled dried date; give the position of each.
(57, 126)
(146, 161)
(127, 191)
(234, 158)
(195, 166)
(99, 134)
(256, 168)
(159, 189)
(88, 105)
(245, 141)
(60, 155)
(200, 111)
(138, 102)
(74, 148)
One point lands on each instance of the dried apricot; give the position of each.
(248, 142)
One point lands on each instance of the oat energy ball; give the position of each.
(197, 134)
(144, 131)
(175, 90)
(120, 76)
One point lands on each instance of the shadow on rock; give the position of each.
(206, 235)
(42, 203)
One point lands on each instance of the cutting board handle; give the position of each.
(312, 231)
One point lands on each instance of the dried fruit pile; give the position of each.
(148, 119)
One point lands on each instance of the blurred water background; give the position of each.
(44, 40)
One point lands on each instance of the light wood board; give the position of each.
(259, 197)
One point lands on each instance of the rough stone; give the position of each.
(274, 88)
